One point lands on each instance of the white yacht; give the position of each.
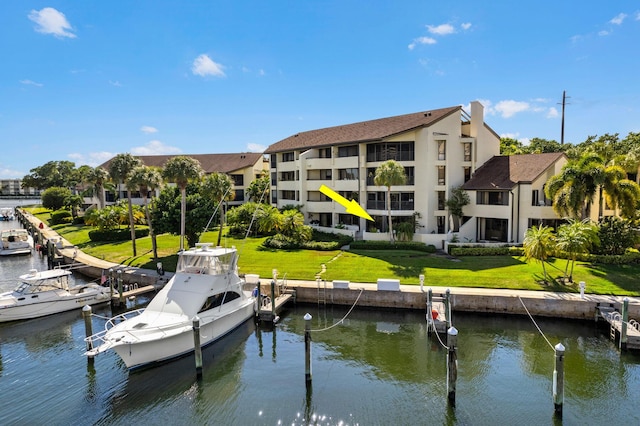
(207, 285)
(15, 241)
(48, 292)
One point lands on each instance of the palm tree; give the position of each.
(388, 174)
(219, 186)
(538, 245)
(574, 238)
(258, 189)
(97, 177)
(147, 179)
(120, 169)
(180, 170)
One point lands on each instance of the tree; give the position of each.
(73, 201)
(120, 169)
(616, 235)
(573, 238)
(97, 177)
(459, 198)
(538, 245)
(219, 187)
(147, 179)
(51, 174)
(258, 189)
(390, 173)
(55, 198)
(180, 170)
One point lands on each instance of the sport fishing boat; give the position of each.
(48, 292)
(15, 241)
(207, 285)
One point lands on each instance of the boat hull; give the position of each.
(178, 340)
(17, 311)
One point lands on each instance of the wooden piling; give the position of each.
(447, 308)
(558, 380)
(429, 311)
(452, 364)
(273, 298)
(307, 349)
(196, 346)
(88, 326)
(623, 324)
(120, 289)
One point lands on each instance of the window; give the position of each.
(287, 176)
(467, 173)
(288, 195)
(273, 161)
(441, 175)
(218, 300)
(238, 180)
(348, 151)
(317, 196)
(350, 195)
(399, 200)
(239, 195)
(466, 147)
(409, 172)
(274, 196)
(493, 198)
(287, 156)
(274, 178)
(399, 151)
(348, 174)
(441, 200)
(348, 219)
(324, 153)
(442, 150)
(321, 174)
(440, 221)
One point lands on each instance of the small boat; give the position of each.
(206, 285)
(6, 213)
(15, 241)
(48, 292)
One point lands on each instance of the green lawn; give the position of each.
(368, 265)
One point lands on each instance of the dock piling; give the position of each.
(307, 349)
(196, 346)
(452, 364)
(623, 324)
(88, 326)
(558, 380)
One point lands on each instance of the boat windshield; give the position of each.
(43, 285)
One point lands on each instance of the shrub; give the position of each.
(116, 234)
(486, 251)
(398, 245)
(60, 216)
(78, 220)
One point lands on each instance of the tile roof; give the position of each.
(363, 131)
(223, 163)
(505, 171)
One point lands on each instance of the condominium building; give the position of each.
(440, 149)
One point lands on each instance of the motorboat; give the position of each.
(48, 292)
(6, 213)
(15, 241)
(206, 285)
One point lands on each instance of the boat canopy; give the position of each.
(207, 261)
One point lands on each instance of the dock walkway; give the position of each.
(631, 340)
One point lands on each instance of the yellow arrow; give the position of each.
(352, 206)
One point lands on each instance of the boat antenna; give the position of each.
(253, 218)
(214, 212)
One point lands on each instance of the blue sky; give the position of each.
(85, 80)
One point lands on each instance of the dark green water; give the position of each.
(377, 368)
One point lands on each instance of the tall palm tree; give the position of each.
(390, 173)
(97, 177)
(538, 245)
(258, 189)
(147, 179)
(180, 170)
(219, 187)
(573, 238)
(120, 169)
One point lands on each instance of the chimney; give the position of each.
(477, 118)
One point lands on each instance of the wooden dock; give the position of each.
(269, 312)
(614, 318)
(115, 298)
(438, 312)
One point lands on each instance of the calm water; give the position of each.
(378, 368)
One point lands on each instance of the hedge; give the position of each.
(386, 245)
(116, 234)
(60, 216)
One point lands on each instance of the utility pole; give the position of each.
(564, 101)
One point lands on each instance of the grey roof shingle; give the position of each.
(363, 131)
(222, 163)
(503, 172)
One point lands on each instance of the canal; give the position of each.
(378, 367)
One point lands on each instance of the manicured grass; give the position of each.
(506, 272)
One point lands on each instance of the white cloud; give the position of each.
(510, 135)
(50, 21)
(155, 147)
(204, 66)
(603, 33)
(465, 26)
(115, 83)
(510, 108)
(618, 19)
(9, 173)
(92, 159)
(148, 129)
(442, 29)
(552, 113)
(637, 16)
(421, 40)
(255, 147)
(31, 83)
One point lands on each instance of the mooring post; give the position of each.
(111, 284)
(429, 311)
(452, 364)
(558, 380)
(623, 325)
(120, 289)
(447, 307)
(88, 327)
(421, 283)
(273, 298)
(196, 346)
(582, 285)
(307, 349)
